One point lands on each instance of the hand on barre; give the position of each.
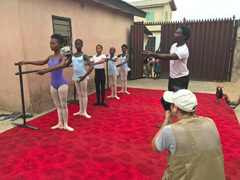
(42, 72)
(23, 62)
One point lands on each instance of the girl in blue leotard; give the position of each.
(80, 77)
(124, 69)
(59, 85)
(112, 73)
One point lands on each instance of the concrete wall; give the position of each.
(11, 51)
(26, 36)
(236, 59)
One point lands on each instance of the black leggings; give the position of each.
(100, 79)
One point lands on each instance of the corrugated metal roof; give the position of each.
(118, 5)
(154, 3)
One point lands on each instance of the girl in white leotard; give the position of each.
(80, 77)
(124, 69)
(112, 73)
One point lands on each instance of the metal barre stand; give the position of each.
(74, 101)
(20, 73)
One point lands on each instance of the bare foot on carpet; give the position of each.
(120, 91)
(126, 92)
(110, 97)
(86, 115)
(78, 114)
(68, 128)
(116, 97)
(59, 126)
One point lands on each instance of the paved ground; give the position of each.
(147, 83)
(194, 86)
(162, 84)
(7, 124)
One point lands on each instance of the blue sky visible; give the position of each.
(205, 9)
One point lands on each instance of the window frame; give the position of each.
(166, 16)
(54, 17)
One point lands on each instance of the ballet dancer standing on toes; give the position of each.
(80, 77)
(113, 73)
(100, 78)
(124, 68)
(59, 85)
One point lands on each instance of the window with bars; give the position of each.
(62, 25)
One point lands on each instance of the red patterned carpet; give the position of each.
(114, 144)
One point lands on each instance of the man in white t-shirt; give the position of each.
(178, 57)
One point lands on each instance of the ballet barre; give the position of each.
(26, 72)
(32, 71)
(20, 73)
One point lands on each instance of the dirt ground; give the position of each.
(232, 89)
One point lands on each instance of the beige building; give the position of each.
(157, 11)
(26, 28)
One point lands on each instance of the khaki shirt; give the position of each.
(198, 153)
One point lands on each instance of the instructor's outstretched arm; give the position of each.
(162, 57)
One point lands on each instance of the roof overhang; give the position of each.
(156, 4)
(118, 5)
(173, 5)
(146, 30)
(150, 6)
